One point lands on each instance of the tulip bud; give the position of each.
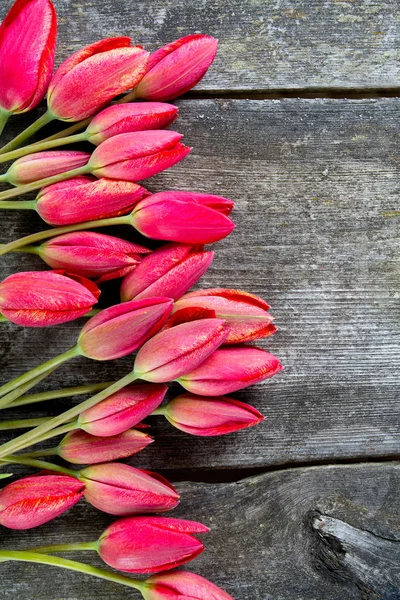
(123, 328)
(27, 48)
(43, 298)
(135, 156)
(84, 199)
(178, 67)
(44, 164)
(93, 76)
(81, 448)
(91, 254)
(182, 585)
(122, 410)
(183, 217)
(32, 501)
(230, 369)
(246, 315)
(150, 544)
(170, 270)
(119, 489)
(178, 350)
(126, 118)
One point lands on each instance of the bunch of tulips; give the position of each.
(198, 339)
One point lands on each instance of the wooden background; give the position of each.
(298, 122)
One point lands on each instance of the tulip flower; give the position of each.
(230, 369)
(245, 314)
(150, 544)
(79, 447)
(27, 48)
(90, 254)
(32, 501)
(182, 585)
(44, 298)
(177, 67)
(122, 410)
(173, 268)
(43, 164)
(209, 416)
(121, 490)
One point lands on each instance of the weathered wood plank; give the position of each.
(316, 184)
(264, 44)
(305, 534)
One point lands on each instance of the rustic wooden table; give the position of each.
(298, 122)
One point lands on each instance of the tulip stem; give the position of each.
(72, 565)
(35, 185)
(37, 371)
(49, 233)
(46, 118)
(55, 432)
(41, 146)
(31, 437)
(158, 411)
(64, 393)
(20, 390)
(65, 547)
(18, 204)
(67, 132)
(22, 423)
(4, 116)
(40, 453)
(38, 464)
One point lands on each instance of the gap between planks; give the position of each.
(347, 93)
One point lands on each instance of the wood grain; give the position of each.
(304, 534)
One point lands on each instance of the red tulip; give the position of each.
(122, 410)
(121, 490)
(183, 217)
(150, 544)
(84, 199)
(172, 269)
(123, 328)
(182, 585)
(91, 254)
(230, 369)
(44, 164)
(93, 76)
(32, 501)
(246, 315)
(43, 298)
(27, 48)
(177, 351)
(176, 68)
(80, 448)
(126, 118)
(210, 416)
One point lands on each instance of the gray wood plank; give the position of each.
(264, 44)
(302, 534)
(316, 184)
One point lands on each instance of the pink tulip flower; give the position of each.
(245, 314)
(183, 217)
(210, 416)
(178, 67)
(230, 369)
(91, 254)
(93, 76)
(179, 350)
(123, 328)
(150, 544)
(27, 48)
(122, 410)
(44, 164)
(182, 585)
(84, 199)
(43, 298)
(172, 269)
(81, 448)
(32, 501)
(122, 490)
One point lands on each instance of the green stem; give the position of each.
(35, 185)
(39, 370)
(47, 117)
(52, 548)
(38, 464)
(40, 453)
(18, 204)
(5, 475)
(67, 132)
(40, 146)
(32, 436)
(64, 393)
(158, 411)
(72, 565)
(20, 390)
(22, 423)
(56, 432)
(49, 233)
(4, 116)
